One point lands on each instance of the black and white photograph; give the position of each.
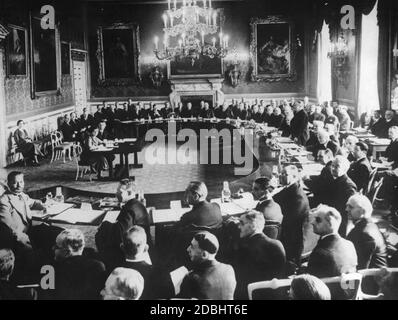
(203, 156)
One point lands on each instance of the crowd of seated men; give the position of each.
(222, 255)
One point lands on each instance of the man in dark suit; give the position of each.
(68, 131)
(258, 257)
(86, 119)
(299, 125)
(324, 142)
(261, 190)
(295, 208)
(341, 188)
(76, 276)
(203, 213)
(368, 241)
(103, 133)
(318, 115)
(390, 121)
(8, 290)
(333, 255)
(209, 279)
(135, 250)
(378, 124)
(360, 169)
(99, 115)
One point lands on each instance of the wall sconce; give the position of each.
(234, 75)
(338, 52)
(156, 77)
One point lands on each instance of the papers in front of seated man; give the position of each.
(111, 216)
(74, 216)
(177, 276)
(168, 215)
(53, 210)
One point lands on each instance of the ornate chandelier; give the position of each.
(191, 27)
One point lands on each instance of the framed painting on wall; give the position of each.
(45, 59)
(202, 67)
(118, 54)
(272, 49)
(17, 54)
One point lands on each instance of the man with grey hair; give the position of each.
(259, 257)
(324, 142)
(366, 236)
(76, 276)
(332, 255)
(203, 213)
(349, 146)
(123, 284)
(299, 124)
(341, 188)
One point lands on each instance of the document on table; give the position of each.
(177, 276)
(52, 210)
(111, 216)
(168, 215)
(312, 169)
(74, 216)
(228, 208)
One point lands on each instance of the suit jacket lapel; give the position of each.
(20, 207)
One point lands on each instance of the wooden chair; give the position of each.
(370, 281)
(278, 289)
(82, 167)
(58, 147)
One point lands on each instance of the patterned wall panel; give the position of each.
(18, 101)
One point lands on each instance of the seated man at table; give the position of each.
(262, 188)
(330, 117)
(389, 116)
(368, 240)
(68, 131)
(324, 143)
(360, 169)
(16, 217)
(103, 132)
(319, 185)
(96, 160)
(341, 188)
(295, 208)
(389, 189)
(208, 279)
(333, 255)
(76, 276)
(313, 139)
(203, 213)
(259, 257)
(349, 146)
(378, 124)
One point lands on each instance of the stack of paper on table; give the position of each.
(312, 169)
(177, 276)
(228, 208)
(284, 140)
(53, 210)
(73, 216)
(380, 141)
(168, 215)
(111, 216)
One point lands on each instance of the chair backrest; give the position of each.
(344, 287)
(77, 152)
(371, 279)
(60, 136)
(275, 289)
(54, 139)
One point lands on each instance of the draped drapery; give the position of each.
(368, 99)
(324, 84)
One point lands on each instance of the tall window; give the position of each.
(324, 90)
(368, 98)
